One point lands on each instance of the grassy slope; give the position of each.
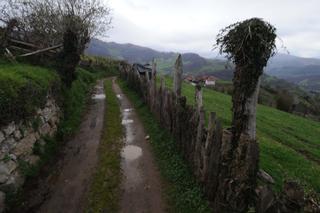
(182, 191)
(23, 89)
(104, 190)
(289, 145)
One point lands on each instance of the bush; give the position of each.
(284, 101)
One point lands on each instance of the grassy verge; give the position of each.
(182, 192)
(23, 89)
(104, 190)
(75, 101)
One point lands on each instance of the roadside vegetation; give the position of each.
(182, 192)
(104, 190)
(23, 89)
(289, 144)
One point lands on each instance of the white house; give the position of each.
(210, 81)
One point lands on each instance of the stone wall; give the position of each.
(17, 142)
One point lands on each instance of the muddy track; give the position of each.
(141, 184)
(65, 188)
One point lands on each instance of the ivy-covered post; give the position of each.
(177, 78)
(249, 45)
(70, 57)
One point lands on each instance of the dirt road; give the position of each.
(65, 189)
(141, 185)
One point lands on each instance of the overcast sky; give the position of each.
(192, 25)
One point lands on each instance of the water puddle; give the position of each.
(98, 87)
(99, 97)
(126, 121)
(131, 152)
(128, 110)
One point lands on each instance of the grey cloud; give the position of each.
(191, 25)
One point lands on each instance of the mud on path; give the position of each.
(141, 184)
(66, 187)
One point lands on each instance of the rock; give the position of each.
(24, 131)
(2, 138)
(3, 178)
(2, 201)
(39, 112)
(17, 134)
(10, 142)
(50, 102)
(25, 146)
(14, 181)
(53, 130)
(32, 159)
(266, 200)
(45, 129)
(47, 114)
(37, 135)
(5, 148)
(147, 137)
(11, 165)
(42, 120)
(54, 120)
(262, 175)
(4, 173)
(292, 197)
(10, 129)
(13, 157)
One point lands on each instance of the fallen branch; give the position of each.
(23, 43)
(40, 51)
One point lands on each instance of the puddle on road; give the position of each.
(99, 96)
(128, 110)
(131, 152)
(126, 121)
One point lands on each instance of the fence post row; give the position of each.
(226, 169)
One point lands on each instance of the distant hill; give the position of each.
(193, 63)
(304, 72)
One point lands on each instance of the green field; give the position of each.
(289, 144)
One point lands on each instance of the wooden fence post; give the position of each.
(177, 78)
(198, 98)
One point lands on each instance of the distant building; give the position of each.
(204, 80)
(143, 69)
(210, 81)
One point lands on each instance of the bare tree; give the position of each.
(44, 21)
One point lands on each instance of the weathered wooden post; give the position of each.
(200, 128)
(198, 98)
(177, 78)
(249, 44)
(153, 85)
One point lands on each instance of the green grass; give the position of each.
(75, 101)
(104, 191)
(23, 89)
(182, 191)
(289, 144)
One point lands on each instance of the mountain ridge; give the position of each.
(304, 72)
